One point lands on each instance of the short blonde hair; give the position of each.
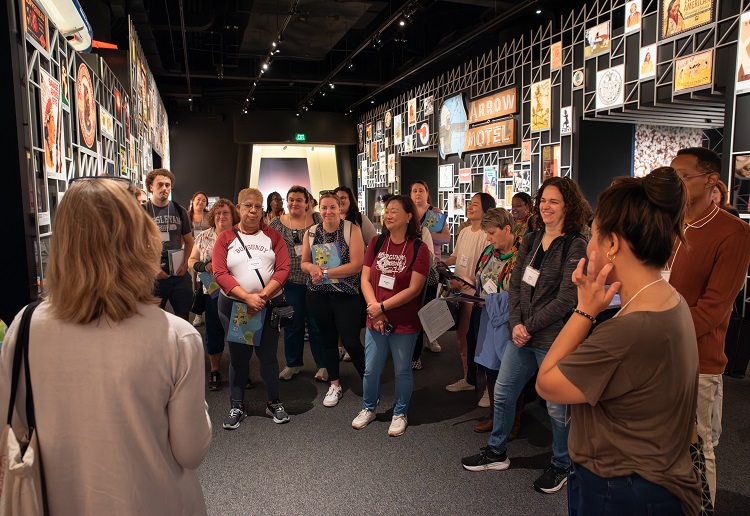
(497, 218)
(104, 253)
(247, 192)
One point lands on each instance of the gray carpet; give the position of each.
(317, 464)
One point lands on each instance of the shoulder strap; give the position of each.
(569, 241)
(178, 209)
(347, 232)
(417, 243)
(22, 353)
(311, 233)
(378, 244)
(237, 234)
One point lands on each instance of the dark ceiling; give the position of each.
(214, 50)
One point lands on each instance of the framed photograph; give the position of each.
(508, 194)
(456, 205)
(397, 134)
(632, 16)
(464, 175)
(411, 116)
(597, 40)
(694, 71)
(360, 138)
(540, 105)
(382, 163)
(445, 177)
(490, 180)
(428, 105)
(743, 55)
(566, 120)
(453, 126)
(423, 135)
(578, 77)
(742, 166)
(610, 87)
(374, 152)
(378, 130)
(677, 17)
(85, 106)
(555, 55)
(550, 161)
(391, 168)
(50, 110)
(388, 119)
(369, 131)
(647, 62)
(526, 151)
(36, 25)
(408, 143)
(522, 180)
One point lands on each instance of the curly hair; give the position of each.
(577, 209)
(218, 204)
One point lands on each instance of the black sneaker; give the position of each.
(235, 417)
(486, 460)
(552, 480)
(277, 412)
(214, 381)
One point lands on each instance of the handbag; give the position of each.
(199, 302)
(22, 486)
(282, 313)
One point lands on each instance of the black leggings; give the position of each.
(337, 315)
(240, 354)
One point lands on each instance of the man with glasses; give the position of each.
(708, 271)
(174, 225)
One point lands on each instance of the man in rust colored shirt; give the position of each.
(709, 272)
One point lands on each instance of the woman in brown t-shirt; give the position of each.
(632, 384)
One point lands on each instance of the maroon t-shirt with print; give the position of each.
(394, 260)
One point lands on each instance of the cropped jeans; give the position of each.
(517, 367)
(377, 346)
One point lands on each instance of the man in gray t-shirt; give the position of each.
(174, 226)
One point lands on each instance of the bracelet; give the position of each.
(587, 316)
(382, 307)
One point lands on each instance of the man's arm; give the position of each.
(187, 242)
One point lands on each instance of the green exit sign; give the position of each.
(300, 137)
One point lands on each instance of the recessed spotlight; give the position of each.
(402, 23)
(297, 113)
(265, 66)
(323, 93)
(330, 85)
(273, 44)
(539, 11)
(372, 101)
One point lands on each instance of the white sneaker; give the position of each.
(288, 372)
(461, 385)
(363, 419)
(485, 401)
(322, 375)
(434, 347)
(333, 396)
(398, 425)
(198, 321)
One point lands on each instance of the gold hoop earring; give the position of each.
(611, 258)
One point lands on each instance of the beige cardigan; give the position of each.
(121, 414)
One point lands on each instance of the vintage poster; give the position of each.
(378, 130)
(743, 55)
(555, 57)
(360, 138)
(445, 176)
(610, 87)
(647, 62)
(453, 126)
(525, 151)
(508, 195)
(632, 16)
(388, 119)
(550, 161)
(464, 175)
(391, 168)
(490, 180)
(368, 131)
(412, 112)
(397, 134)
(679, 16)
(456, 205)
(428, 105)
(408, 143)
(597, 40)
(382, 168)
(578, 77)
(423, 135)
(522, 180)
(106, 123)
(742, 165)
(36, 25)
(566, 120)
(693, 72)
(85, 106)
(540, 105)
(374, 152)
(64, 85)
(50, 110)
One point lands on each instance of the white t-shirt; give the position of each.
(467, 251)
(243, 268)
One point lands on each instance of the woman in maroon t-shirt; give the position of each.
(392, 282)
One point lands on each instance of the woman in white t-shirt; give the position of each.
(251, 264)
(469, 246)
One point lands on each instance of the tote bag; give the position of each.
(22, 484)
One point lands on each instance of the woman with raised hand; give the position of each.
(332, 257)
(631, 384)
(137, 371)
(393, 277)
(469, 246)
(251, 265)
(222, 216)
(292, 226)
(541, 296)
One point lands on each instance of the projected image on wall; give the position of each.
(279, 174)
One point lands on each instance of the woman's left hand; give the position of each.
(593, 297)
(373, 310)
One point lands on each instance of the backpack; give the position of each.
(347, 234)
(417, 242)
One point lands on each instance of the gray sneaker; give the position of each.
(277, 412)
(235, 417)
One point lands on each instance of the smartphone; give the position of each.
(387, 329)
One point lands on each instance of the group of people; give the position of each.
(533, 286)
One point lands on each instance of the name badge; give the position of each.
(164, 236)
(298, 250)
(530, 276)
(254, 264)
(463, 261)
(666, 273)
(490, 287)
(387, 282)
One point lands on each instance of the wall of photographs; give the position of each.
(78, 119)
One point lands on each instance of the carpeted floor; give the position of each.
(318, 465)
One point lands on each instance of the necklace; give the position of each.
(636, 295)
(697, 224)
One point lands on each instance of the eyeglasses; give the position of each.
(689, 176)
(249, 206)
(219, 214)
(295, 235)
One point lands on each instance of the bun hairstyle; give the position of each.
(648, 212)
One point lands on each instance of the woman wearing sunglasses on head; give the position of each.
(393, 277)
(292, 226)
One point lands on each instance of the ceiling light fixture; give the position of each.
(539, 11)
(402, 22)
(330, 85)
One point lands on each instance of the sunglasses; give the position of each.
(295, 234)
(326, 192)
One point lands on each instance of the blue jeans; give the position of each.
(401, 347)
(517, 367)
(588, 493)
(294, 334)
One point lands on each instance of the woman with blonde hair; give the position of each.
(94, 334)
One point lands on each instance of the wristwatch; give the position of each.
(325, 273)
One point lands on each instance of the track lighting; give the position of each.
(330, 85)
